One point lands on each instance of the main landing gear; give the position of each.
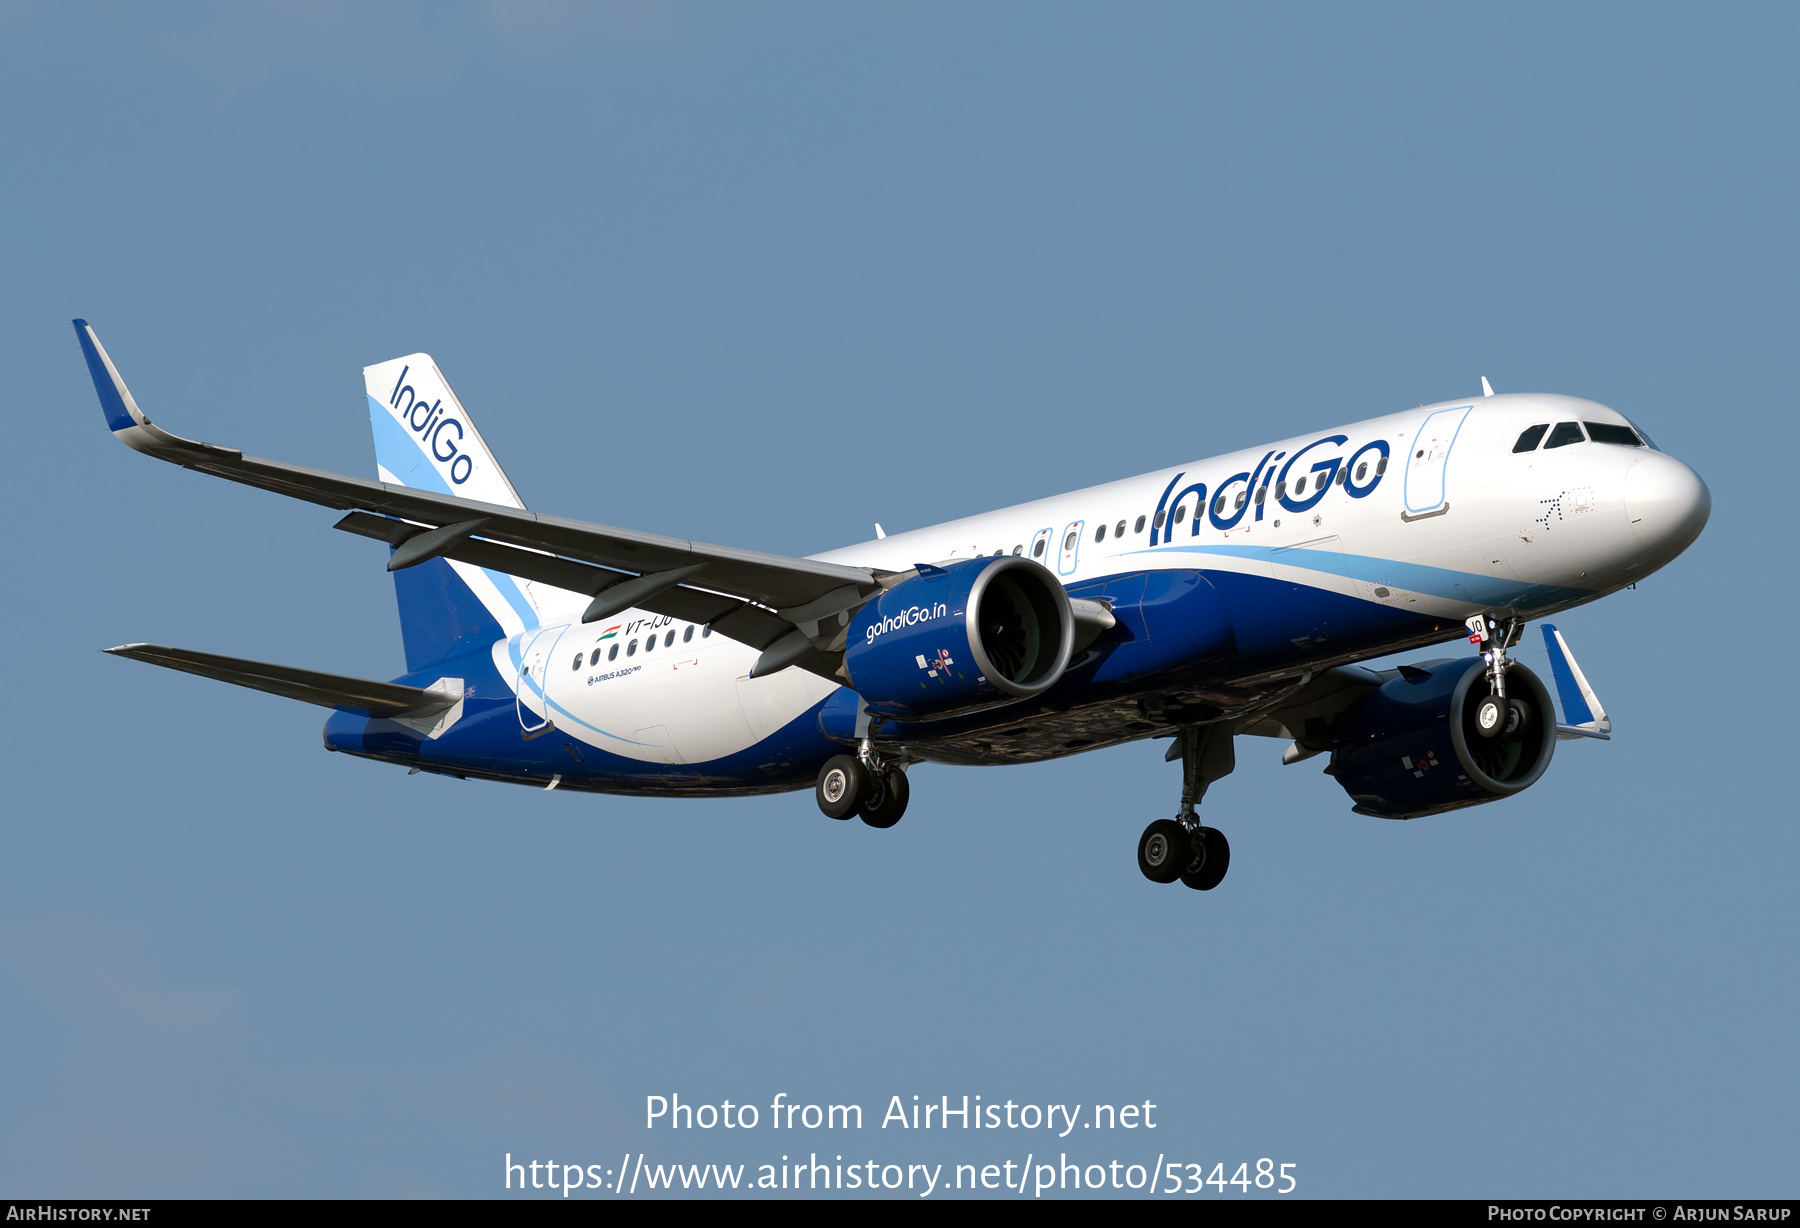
(1497, 714)
(1181, 848)
(862, 784)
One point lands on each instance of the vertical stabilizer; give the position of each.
(425, 439)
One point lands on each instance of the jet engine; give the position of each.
(1413, 746)
(967, 635)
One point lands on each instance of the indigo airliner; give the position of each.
(1217, 598)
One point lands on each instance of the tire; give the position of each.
(1490, 716)
(1164, 850)
(1212, 869)
(1518, 717)
(886, 810)
(842, 785)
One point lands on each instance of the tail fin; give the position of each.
(425, 439)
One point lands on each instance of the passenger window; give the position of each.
(1018, 550)
(1140, 525)
(577, 664)
(1531, 437)
(1281, 490)
(1260, 496)
(1069, 541)
(1119, 529)
(669, 638)
(1381, 467)
(1612, 432)
(1160, 517)
(706, 631)
(1219, 505)
(1361, 470)
(1180, 512)
(1100, 534)
(1037, 549)
(1565, 433)
(631, 649)
(1319, 481)
(1342, 473)
(687, 635)
(1240, 499)
(612, 654)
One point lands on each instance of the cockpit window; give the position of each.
(1565, 432)
(1612, 432)
(1533, 436)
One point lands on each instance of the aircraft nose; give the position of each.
(1667, 502)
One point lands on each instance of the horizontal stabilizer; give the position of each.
(430, 710)
(1583, 715)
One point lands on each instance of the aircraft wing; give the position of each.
(788, 607)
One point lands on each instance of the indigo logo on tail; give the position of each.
(428, 421)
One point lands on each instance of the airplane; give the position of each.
(1235, 595)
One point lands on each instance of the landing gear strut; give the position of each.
(1497, 714)
(862, 784)
(1181, 848)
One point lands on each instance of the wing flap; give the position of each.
(728, 615)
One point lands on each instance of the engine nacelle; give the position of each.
(968, 635)
(1411, 748)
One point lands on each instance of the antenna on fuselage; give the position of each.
(880, 532)
(1487, 389)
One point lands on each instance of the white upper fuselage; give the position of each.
(1556, 517)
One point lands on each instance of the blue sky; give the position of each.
(763, 275)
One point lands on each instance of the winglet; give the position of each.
(121, 411)
(131, 425)
(1487, 389)
(1583, 714)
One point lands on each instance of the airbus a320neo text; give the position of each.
(1217, 598)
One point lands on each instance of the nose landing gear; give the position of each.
(1181, 848)
(1497, 714)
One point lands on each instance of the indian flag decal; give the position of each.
(612, 631)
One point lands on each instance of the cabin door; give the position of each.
(531, 698)
(1428, 462)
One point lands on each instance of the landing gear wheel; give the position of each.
(1518, 717)
(1490, 716)
(885, 810)
(1211, 870)
(843, 783)
(1164, 850)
